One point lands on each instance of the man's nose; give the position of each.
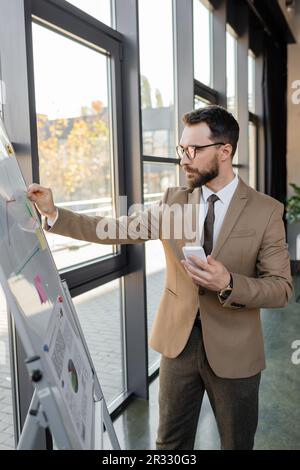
(184, 160)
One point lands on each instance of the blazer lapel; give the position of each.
(190, 226)
(235, 208)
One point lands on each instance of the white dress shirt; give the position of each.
(51, 222)
(221, 206)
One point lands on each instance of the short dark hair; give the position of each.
(223, 126)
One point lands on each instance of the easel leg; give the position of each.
(110, 428)
(31, 426)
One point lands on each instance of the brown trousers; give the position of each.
(184, 380)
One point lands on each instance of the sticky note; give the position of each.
(9, 150)
(41, 238)
(40, 289)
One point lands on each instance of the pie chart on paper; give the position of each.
(73, 375)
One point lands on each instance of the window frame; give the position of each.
(152, 369)
(69, 21)
(205, 92)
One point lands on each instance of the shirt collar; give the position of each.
(224, 193)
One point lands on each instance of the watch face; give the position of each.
(225, 293)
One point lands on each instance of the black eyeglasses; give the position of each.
(191, 151)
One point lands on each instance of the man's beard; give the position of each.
(204, 177)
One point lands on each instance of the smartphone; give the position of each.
(194, 251)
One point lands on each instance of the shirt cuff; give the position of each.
(51, 222)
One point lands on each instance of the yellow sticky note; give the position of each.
(41, 239)
(9, 150)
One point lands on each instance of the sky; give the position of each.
(156, 54)
(69, 75)
(202, 44)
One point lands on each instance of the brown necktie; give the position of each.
(209, 224)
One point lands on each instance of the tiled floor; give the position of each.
(279, 419)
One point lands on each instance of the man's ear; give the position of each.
(226, 152)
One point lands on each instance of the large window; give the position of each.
(100, 9)
(158, 120)
(157, 178)
(157, 77)
(231, 80)
(204, 93)
(231, 71)
(100, 312)
(203, 42)
(74, 134)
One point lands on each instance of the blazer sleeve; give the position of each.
(273, 285)
(136, 228)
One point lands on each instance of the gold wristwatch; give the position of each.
(225, 293)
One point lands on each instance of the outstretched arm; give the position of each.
(137, 228)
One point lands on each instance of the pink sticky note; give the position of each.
(40, 289)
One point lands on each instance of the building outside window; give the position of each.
(158, 122)
(74, 135)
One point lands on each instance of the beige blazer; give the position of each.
(251, 245)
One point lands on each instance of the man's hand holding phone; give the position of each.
(197, 251)
(205, 271)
